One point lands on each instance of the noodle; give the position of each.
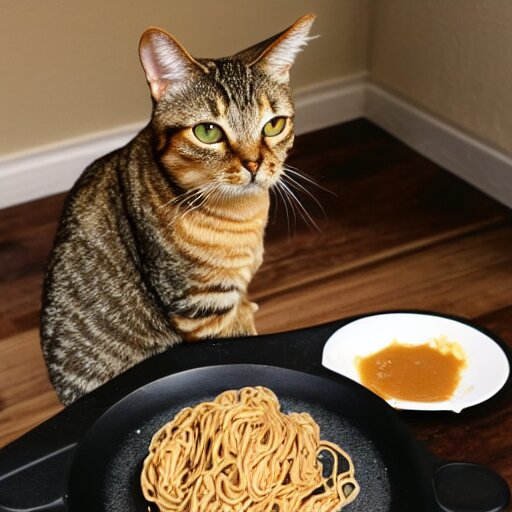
(241, 453)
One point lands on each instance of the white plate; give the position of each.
(487, 367)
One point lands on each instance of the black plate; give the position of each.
(394, 473)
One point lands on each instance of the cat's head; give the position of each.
(225, 125)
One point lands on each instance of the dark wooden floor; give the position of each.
(398, 232)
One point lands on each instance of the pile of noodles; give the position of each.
(241, 453)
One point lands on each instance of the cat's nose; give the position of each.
(252, 165)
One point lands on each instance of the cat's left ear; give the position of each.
(165, 61)
(279, 52)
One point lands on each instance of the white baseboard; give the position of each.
(469, 158)
(330, 103)
(52, 169)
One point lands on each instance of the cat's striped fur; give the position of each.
(159, 240)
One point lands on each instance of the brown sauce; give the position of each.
(419, 373)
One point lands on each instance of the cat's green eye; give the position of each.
(208, 133)
(274, 127)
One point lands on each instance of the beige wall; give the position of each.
(70, 67)
(451, 57)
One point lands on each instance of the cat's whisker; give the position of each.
(273, 203)
(178, 200)
(289, 199)
(302, 175)
(224, 192)
(187, 200)
(301, 188)
(174, 200)
(200, 198)
(196, 200)
(285, 201)
(298, 206)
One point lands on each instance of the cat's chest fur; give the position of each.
(220, 241)
(219, 248)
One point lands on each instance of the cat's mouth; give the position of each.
(263, 179)
(246, 183)
(251, 187)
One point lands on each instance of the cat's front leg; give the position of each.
(246, 317)
(238, 321)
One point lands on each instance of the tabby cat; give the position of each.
(159, 240)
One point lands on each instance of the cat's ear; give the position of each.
(165, 61)
(277, 54)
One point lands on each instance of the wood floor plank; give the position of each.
(22, 297)
(308, 260)
(26, 237)
(6, 327)
(23, 218)
(26, 250)
(469, 276)
(498, 321)
(386, 198)
(26, 395)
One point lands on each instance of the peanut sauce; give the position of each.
(421, 373)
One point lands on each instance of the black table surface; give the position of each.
(32, 467)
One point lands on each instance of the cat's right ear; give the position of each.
(165, 61)
(277, 54)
